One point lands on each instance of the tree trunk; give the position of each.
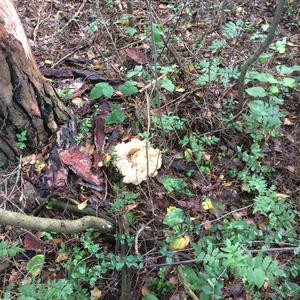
(27, 101)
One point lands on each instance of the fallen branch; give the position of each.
(55, 225)
(263, 47)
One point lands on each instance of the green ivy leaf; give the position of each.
(157, 32)
(35, 264)
(131, 31)
(256, 91)
(167, 84)
(136, 71)
(287, 70)
(129, 87)
(274, 89)
(257, 277)
(289, 82)
(174, 217)
(101, 89)
(116, 116)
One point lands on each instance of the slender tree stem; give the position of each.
(263, 47)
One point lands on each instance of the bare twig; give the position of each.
(73, 18)
(138, 233)
(224, 216)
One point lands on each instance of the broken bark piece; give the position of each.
(80, 163)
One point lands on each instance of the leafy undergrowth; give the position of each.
(220, 217)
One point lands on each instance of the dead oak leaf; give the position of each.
(31, 242)
(137, 55)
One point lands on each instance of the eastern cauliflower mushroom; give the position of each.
(132, 163)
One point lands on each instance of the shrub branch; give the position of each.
(263, 47)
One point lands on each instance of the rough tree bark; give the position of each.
(27, 101)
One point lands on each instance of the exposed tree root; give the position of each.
(55, 225)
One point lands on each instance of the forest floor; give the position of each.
(228, 180)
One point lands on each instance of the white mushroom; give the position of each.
(132, 160)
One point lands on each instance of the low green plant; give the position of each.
(263, 120)
(177, 185)
(168, 122)
(216, 264)
(212, 70)
(21, 138)
(64, 94)
(122, 200)
(101, 89)
(160, 285)
(9, 250)
(281, 217)
(116, 115)
(129, 87)
(85, 127)
(231, 29)
(93, 26)
(61, 289)
(197, 150)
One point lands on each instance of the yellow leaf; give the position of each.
(188, 155)
(244, 187)
(145, 291)
(199, 94)
(207, 157)
(82, 205)
(125, 22)
(97, 64)
(91, 54)
(179, 89)
(48, 62)
(61, 257)
(170, 208)
(282, 196)
(191, 68)
(201, 24)
(207, 204)
(180, 243)
(40, 165)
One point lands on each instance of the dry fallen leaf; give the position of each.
(288, 122)
(62, 256)
(31, 242)
(145, 291)
(95, 294)
(137, 55)
(82, 205)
